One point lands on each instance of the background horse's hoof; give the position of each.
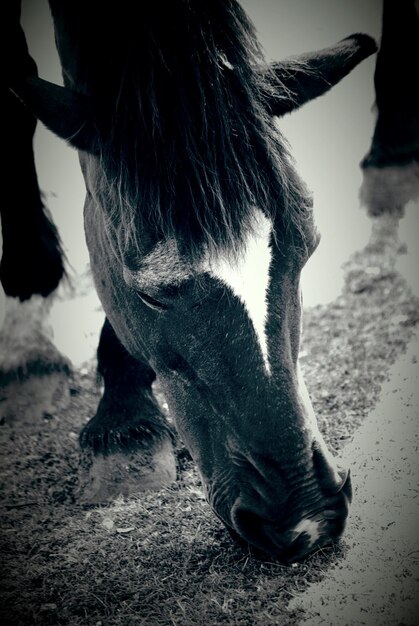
(104, 477)
(26, 346)
(386, 190)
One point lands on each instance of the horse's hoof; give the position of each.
(26, 348)
(104, 477)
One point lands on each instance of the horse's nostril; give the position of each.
(272, 539)
(256, 530)
(277, 537)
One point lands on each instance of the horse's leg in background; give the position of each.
(31, 265)
(391, 167)
(32, 260)
(128, 444)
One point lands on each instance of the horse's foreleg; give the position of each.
(128, 444)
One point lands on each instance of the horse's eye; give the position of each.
(152, 302)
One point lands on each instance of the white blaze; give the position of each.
(311, 528)
(248, 278)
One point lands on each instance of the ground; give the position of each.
(163, 558)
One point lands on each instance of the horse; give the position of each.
(172, 108)
(391, 167)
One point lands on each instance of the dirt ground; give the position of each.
(162, 558)
(377, 580)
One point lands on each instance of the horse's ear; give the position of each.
(298, 80)
(65, 112)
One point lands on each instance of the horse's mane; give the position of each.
(186, 145)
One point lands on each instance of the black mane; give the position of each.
(185, 143)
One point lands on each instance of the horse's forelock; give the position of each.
(187, 147)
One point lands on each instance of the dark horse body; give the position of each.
(172, 111)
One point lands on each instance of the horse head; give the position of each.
(224, 338)
(199, 272)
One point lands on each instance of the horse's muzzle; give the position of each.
(320, 526)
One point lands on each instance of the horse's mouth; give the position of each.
(293, 542)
